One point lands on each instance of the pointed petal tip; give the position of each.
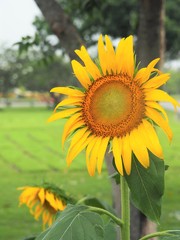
(128, 172)
(52, 90)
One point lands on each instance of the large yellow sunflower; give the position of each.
(41, 201)
(116, 107)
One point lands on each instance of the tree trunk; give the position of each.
(150, 45)
(61, 25)
(151, 31)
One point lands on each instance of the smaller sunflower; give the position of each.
(41, 201)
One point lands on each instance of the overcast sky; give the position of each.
(16, 17)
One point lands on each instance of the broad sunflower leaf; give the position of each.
(96, 202)
(110, 231)
(147, 186)
(75, 222)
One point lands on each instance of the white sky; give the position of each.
(16, 17)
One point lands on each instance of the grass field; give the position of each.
(31, 153)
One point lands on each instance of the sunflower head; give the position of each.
(42, 201)
(117, 107)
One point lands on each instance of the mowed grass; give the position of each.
(31, 153)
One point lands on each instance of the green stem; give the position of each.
(156, 234)
(117, 220)
(125, 210)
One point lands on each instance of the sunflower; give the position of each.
(116, 107)
(41, 201)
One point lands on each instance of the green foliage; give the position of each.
(59, 192)
(26, 70)
(147, 186)
(31, 153)
(95, 202)
(110, 231)
(42, 42)
(172, 27)
(79, 222)
(173, 85)
(169, 235)
(164, 235)
(116, 18)
(112, 17)
(75, 222)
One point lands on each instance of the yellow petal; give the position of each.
(102, 151)
(90, 66)
(78, 146)
(128, 57)
(94, 156)
(102, 55)
(45, 218)
(41, 195)
(158, 107)
(60, 204)
(50, 198)
(31, 201)
(63, 114)
(117, 152)
(38, 211)
(50, 221)
(69, 101)
(119, 55)
(138, 147)
(89, 148)
(159, 95)
(74, 127)
(151, 138)
(67, 91)
(126, 153)
(144, 73)
(28, 193)
(77, 136)
(31, 204)
(156, 82)
(159, 120)
(69, 124)
(81, 74)
(110, 55)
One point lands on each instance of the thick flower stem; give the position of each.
(125, 210)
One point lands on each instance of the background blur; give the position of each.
(33, 59)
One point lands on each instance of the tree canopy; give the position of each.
(113, 17)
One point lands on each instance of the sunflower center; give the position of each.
(113, 106)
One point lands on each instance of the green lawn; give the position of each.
(31, 153)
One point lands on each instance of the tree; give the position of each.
(151, 32)
(113, 17)
(29, 72)
(59, 25)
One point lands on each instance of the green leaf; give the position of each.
(171, 235)
(147, 186)
(75, 223)
(110, 231)
(95, 202)
(164, 235)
